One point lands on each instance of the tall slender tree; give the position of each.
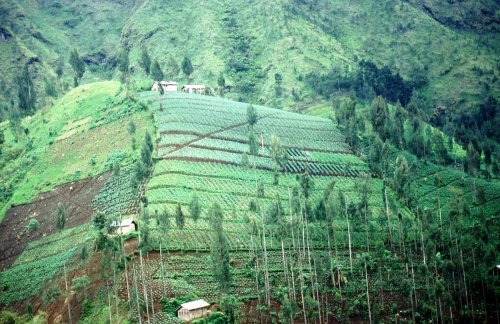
(187, 67)
(221, 83)
(60, 216)
(145, 61)
(179, 217)
(219, 249)
(379, 116)
(195, 208)
(78, 65)
(156, 72)
(26, 91)
(251, 115)
(123, 67)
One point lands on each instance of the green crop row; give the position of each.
(55, 243)
(214, 155)
(176, 139)
(28, 279)
(118, 196)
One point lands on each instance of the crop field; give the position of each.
(431, 181)
(118, 196)
(41, 262)
(76, 198)
(190, 274)
(200, 146)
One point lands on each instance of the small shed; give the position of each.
(124, 227)
(195, 309)
(496, 270)
(168, 86)
(194, 88)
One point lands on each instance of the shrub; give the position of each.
(51, 294)
(33, 225)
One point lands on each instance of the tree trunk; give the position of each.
(114, 288)
(163, 273)
(144, 288)
(368, 294)
(266, 264)
(349, 235)
(139, 315)
(68, 296)
(387, 213)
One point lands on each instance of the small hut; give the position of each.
(194, 88)
(168, 86)
(195, 309)
(124, 227)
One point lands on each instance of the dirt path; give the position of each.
(212, 133)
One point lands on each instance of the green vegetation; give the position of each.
(70, 141)
(378, 204)
(41, 262)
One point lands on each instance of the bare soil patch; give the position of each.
(75, 196)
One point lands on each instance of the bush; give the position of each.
(33, 225)
(87, 308)
(214, 317)
(51, 294)
(7, 317)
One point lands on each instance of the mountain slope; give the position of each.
(287, 225)
(41, 33)
(292, 39)
(67, 142)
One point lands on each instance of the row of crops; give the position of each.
(28, 279)
(41, 262)
(165, 185)
(56, 243)
(190, 273)
(201, 146)
(213, 173)
(119, 195)
(431, 181)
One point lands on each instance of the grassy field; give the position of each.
(82, 135)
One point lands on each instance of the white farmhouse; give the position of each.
(168, 86)
(124, 227)
(195, 309)
(194, 88)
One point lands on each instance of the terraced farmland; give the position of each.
(201, 143)
(41, 262)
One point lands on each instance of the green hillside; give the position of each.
(69, 141)
(279, 220)
(342, 164)
(293, 39)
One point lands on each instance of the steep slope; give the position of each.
(251, 42)
(295, 38)
(69, 141)
(312, 222)
(41, 33)
(479, 15)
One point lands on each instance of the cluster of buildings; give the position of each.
(170, 86)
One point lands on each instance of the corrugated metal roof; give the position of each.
(200, 303)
